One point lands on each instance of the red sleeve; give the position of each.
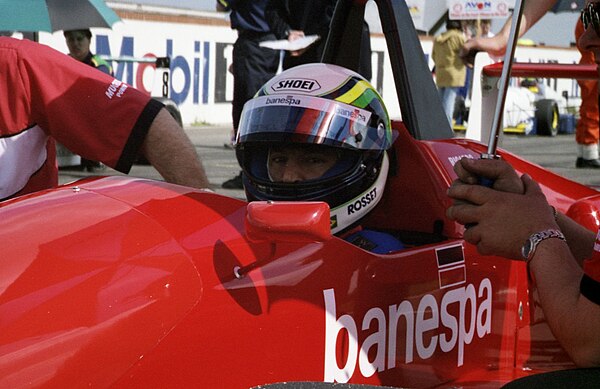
(91, 113)
(16, 112)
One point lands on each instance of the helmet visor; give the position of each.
(308, 119)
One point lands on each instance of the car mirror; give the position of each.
(288, 221)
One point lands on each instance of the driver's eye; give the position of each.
(315, 160)
(278, 159)
(319, 158)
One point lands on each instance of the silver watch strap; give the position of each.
(531, 244)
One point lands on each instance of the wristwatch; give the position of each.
(530, 245)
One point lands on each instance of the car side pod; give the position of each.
(586, 211)
(288, 221)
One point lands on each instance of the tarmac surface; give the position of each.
(557, 154)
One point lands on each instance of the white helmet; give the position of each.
(326, 105)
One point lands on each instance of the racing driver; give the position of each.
(319, 132)
(48, 95)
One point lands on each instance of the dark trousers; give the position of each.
(315, 52)
(252, 67)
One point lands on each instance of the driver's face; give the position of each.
(299, 162)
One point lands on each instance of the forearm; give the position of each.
(170, 151)
(573, 319)
(532, 12)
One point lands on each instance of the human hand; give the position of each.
(500, 221)
(295, 34)
(297, 53)
(292, 36)
(495, 46)
(503, 175)
(468, 57)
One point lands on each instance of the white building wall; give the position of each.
(201, 53)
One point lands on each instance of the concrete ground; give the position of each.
(556, 154)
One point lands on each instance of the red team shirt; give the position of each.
(47, 95)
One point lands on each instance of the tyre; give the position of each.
(547, 117)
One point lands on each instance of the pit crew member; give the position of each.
(514, 220)
(112, 122)
(319, 132)
(78, 42)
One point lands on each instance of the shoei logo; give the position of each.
(296, 84)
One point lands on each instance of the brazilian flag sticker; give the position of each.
(333, 221)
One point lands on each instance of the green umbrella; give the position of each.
(54, 15)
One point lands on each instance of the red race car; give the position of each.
(122, 282)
